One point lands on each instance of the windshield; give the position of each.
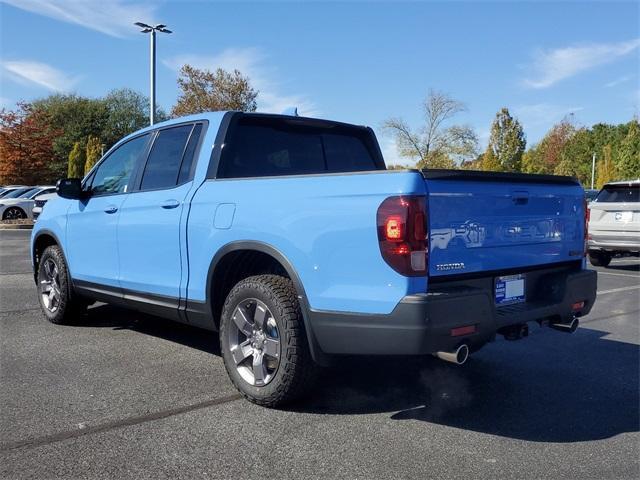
(619, 193)
(18, 192)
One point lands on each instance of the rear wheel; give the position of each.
(55, 293)
(263, 341)
(599, 258)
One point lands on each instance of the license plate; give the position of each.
(510, 289)
(624, 217)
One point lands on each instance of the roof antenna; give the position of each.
(292, 111)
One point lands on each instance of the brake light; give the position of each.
(402, 234)
(393, 228)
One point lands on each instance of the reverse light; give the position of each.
(402, 234)
(587, 217)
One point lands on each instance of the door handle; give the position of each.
(111, 209)
(170, 204)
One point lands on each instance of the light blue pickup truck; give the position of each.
(289, 237)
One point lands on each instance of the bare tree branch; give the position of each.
(434, 144)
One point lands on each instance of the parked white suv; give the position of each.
(614, 222)
(39, 202)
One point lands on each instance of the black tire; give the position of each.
(13, 213)
(296, 369)
(599, 258)
(69, 306)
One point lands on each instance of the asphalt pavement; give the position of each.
(124, 395)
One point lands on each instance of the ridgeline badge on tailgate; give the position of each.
(441, 267)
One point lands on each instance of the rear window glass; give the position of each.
(619, 193)
(260, 147)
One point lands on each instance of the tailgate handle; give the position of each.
(520, 198)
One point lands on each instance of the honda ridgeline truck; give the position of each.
(289, 237)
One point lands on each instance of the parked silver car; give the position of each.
(614, 222)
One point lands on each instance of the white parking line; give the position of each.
(621, 289)
(618, 274)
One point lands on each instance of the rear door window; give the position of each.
(163, 165)
(619, 193)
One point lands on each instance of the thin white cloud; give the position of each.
(252, 63)
(618, 81)
(551, 66)
(112, 17)
(538, 114)
(25, 71)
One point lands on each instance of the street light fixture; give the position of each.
(149, 29)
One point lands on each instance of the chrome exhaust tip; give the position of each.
(569, 327)
(458, 356)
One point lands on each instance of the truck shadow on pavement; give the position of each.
(559, 388)
(551, 387)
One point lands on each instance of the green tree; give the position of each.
(629, 153)
(93, 152)
(547, 154)
(435, 145)
(76, 161)
(506, 143)
(490, 162)
(202, 91)
(78, 118)
(606, 168)
(127, 111)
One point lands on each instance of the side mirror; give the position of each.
(70, 188)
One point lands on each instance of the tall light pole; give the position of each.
(152, 30)
(593, 169)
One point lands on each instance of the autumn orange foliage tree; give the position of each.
(26, 145)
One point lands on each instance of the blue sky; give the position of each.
(358, 62)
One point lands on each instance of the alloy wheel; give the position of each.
(13, 214)
(254, 342)
(49, 283)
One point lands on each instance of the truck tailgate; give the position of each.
(484, 221)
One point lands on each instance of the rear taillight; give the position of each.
(402, 234)
(587, 215)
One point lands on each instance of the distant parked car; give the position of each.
(39, 202)
(14, 191)
(6, 188)
(591, 194)
(614, 224)
(18, 206)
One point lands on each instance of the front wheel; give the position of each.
(14, 213)
(57, 300)
(263, 342)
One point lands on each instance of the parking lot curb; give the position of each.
(15, 226)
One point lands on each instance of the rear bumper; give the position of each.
(422, 323)
(615, 241)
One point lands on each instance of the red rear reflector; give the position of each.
(459, 331)
(577, 306)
